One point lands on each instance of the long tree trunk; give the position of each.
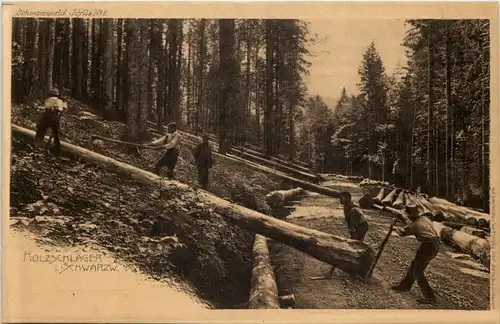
(143, 78)
(50, 53)
(227, 76)
(349, 255)
(177, 58)
(201, 69)
(107, 78)
(188, 82)
(119, 69)
(133, 93)
(268, 122)
(263, 288)
(152, 63)
(30, 59)
(448, 110)
(42, 58)
(430, 112)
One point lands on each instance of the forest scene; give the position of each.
(258, 164)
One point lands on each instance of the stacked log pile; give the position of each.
(460, 227)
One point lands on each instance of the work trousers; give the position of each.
(425, 253)
(169, 160)
(203, 176)
(360, 232)
(49, 119)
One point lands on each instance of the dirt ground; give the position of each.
(460, 282)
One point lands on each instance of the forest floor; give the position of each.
(461, 282)
(166, 234)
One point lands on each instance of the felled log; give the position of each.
(464, 212)
(456, 226)
(474, 231)
(387, 201)
(473, 245)
(278, 198)
(349, 255)
(437, 215)
(378, 199)
(400, 201)
(263, 288)
(279, 166)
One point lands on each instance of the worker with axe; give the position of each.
(53, 108)
(422, 228)
(356, 224)
(170, 142)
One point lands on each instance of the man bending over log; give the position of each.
(53, 108)
(422, 228)
(356, 224)
(203, 157)
(171, 142)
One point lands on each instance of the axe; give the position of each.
(379, 253)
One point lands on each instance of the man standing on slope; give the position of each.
(356, 224)
(203, 157)
(422, 228)
(53, 108)
(171, 142)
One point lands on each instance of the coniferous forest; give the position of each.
(244, 82)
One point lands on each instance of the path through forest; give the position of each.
(460, 282)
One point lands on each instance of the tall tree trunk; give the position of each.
(227, 75)
(430, 112)
(177, 70)
(268, 124)
(157, 43)
(143, 78)
(77, 75)
(51, 25)
(59, 54)
(66, 54)
(42, 58)
(152, 62)
(107, 78)
(201, 69)
(29, 60)
(119, 66)
(95, 71)
(85, 48)
(449, 110)
(188, 95)
(133, 93)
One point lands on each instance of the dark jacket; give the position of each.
(203, 156)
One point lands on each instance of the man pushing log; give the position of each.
(171, 142)
(424, 231)
(356, 224)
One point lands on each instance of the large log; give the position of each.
(263, 288)
(279, 166)
(474, 231)
(400, 201)
(434, 213)
(466, 212)
(378, 199)
(387, 201)
(475, 246)
(349, 255)
(278, 198)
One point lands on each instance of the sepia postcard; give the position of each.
(239, 162)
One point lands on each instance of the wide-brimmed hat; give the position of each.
(172, 124)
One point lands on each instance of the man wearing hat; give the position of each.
(422, 228)
(171, 142)
(356, 224)
(50, 118)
